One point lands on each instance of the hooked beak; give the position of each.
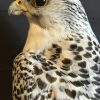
(16, 9)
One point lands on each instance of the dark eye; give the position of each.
(40, 2)
(19, 2)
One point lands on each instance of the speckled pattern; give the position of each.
(66, 66)
(9, 46)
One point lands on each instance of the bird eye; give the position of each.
(19, 2)
(40, 2)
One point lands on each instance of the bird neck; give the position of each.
(38, 38)
(35, 38)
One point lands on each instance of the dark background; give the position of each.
(13, 33)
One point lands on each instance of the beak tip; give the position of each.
(9, 12)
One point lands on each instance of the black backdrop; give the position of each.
(13, 33)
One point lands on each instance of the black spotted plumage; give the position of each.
(82, 64)
(61, 56)
(41, 84)
(78, 57)
(50, 78)
(87, 55)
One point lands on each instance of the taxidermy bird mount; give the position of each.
(61, 57)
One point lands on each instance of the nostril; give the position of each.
(19, 2)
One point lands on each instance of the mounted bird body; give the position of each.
(61, 57)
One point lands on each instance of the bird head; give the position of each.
(43, 12)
